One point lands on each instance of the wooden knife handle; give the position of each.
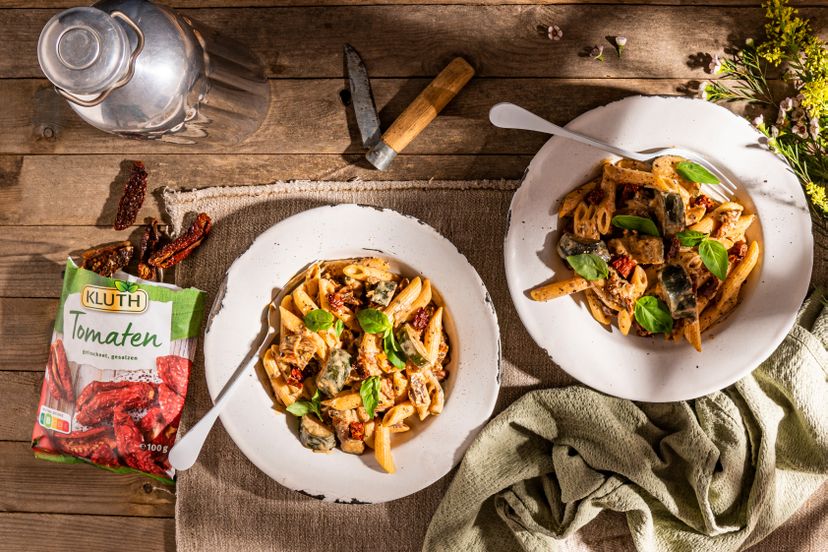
(428, 104)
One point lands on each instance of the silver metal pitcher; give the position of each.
(141, 70)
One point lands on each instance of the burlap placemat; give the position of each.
(224, 502)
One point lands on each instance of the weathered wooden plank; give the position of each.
(55, 4)
(32, 193)
(25, 331)
(32, 258)
(308, 116)
(31, 485)
(68, 533)
(405, 41)
(19, 395)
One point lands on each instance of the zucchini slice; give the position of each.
(413, 348)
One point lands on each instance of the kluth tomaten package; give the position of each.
(117, 373)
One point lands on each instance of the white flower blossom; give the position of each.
(798, 114)
(620, 42)
(554, 32)
(774, 132)
(781, 118)
(814, 127)
(787, 104)
(702, 93)
(715, 65)
(597, 53)
(800, 129)
(759, 121)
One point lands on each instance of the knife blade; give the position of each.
(362, 98)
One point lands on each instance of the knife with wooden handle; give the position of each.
(416, 116)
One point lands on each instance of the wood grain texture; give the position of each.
(19, 396)
(25, 332)
(308, 116)
(418, 40)
(28, 484)
(68, 533)
(30, 189)
(32, 259)
(56, 4)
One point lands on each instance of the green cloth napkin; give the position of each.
(717, 473)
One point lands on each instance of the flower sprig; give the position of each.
(800, 131)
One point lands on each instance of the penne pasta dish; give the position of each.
(651, 252)
(360, 354)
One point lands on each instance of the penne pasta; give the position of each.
(382, 448)
(560, 288)
(434, 335)
(628, 237)
(403, 300)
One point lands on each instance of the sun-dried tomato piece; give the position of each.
(623, 265)
(356, 430)
(98, 400)
(296, 377)
(736, 253)
(108, 258)
(131, 445)
(170, 403)
(421, 318)
(181, 247)
(59, 379)
(175, 372)
(702, 199)
(673, 249)
(595, 196)
(627, 191)
(150, 243)
(104, 455)
(132, 198)
(84, 443)
(152, 423)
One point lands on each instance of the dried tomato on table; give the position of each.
(108, 258)
(150, 243)
(132, 198)
(181, 247)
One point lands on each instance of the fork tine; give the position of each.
(713, 192)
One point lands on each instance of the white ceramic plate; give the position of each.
(650, 369)
(268, 438)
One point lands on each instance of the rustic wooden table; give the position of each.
(59, 181)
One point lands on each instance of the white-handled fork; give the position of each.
(509, 115)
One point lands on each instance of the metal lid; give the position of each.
(83, 50)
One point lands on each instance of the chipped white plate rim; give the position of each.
(651, 369)
(268, 438)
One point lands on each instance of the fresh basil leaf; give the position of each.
(373, 321)
(589, 266)
(121, 286)
(338, 327)
(714, 256)
(369, 391)
(691, 238)
(696, 173)
(633, 222)
(301, 408)
(393, 350)
(653, 315)
(318, 320)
